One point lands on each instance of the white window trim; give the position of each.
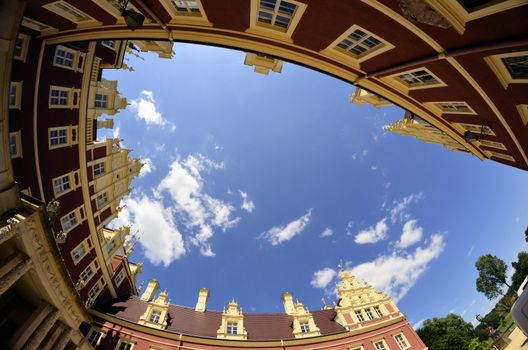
(499, 68)
(36, 25)
(115, 12)
(72, 92)
(108, 46)
(18, 144)
(52, 6)
(70, 131)
(24, 48)
(255, 28)
(404, 339)
(333, 52)
(360, 313)
(78, 215)
(73, 185)
(86, 245)
(100, 284)
(78, 59)
(463, 127)
(438, 111)
(492, 144)
(232, 328)
(95, 176)
(177, 18)
(396, 83)
(95, 330)
(18, 94)
(126, 341)
(380, 341)
(503, 156)
(120, 276)
(94, 272)
(159, 318)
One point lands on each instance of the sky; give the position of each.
(254, 185)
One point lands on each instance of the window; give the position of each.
(380, 345)
(276, 14)
(101, 200)
(15, 94)
(78, 252)
(400, 339)
(111, 246)
(101, 100)
(99, 169)
(359, 43)
(360, 316)
(95, 291)
(61, 185)
(69, 221)
(58, 137)
(369, 314)
(510, 68)
(64, 57)
(454, 107)
(93, 337)
(378, 311)
(15, 145)
(477, 129)
(186, 7)
(503, 156)
(86, 274)
(68, 11)
(418, 78)
(123, 345)
(109, 44)
(119, 277)
(21, 47)
(155, 316)
(492, 144)
(305, 327)
(59, 97)
(232, 328)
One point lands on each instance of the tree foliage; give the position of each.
(521, 270)
(492, 275)
(447, 333)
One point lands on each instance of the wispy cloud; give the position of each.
(157, 231)
(411, 234)
(279, 234)
(373, 234)
(247, 204)
(359, 155)
(399, 207)
(470, 251)
(323, 277)
(327, 232)
(397, 272)
(147, 167)
(198, 211)
(463, 313)
(418, 324)
(146, 110)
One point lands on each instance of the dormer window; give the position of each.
(369, 314)
(155, 316)
(101, 101)
(378, 311)
(305, 327)
(232, 328)
(360, 316)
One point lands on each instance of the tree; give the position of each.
(521, 270)
(492, 275)
(450, 332)
(526, 234)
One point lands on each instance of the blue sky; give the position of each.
(255, 185)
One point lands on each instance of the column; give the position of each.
(54, 336)
(63, 340)
(7, 280)
(21, 336)
(37, 337)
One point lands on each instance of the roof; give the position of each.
(185, 320)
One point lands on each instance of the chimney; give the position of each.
(203, 295)
(150, 291)
(287, 300)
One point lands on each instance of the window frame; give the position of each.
(155, 316)
(17, 136)
(72, 93)
(359, 316)
(304, 326)
(437, 109)
(101, 200)
(501, 71)
(503, 156)
(125, 341)
(378, 311)
(102, 100)
(492, 144)
(77, 59)
(70, 141)
(355, 61)
(382, 342)
(23, 47)
(369, 313)
(54, 7)
(86, 248)
(71, 181)
(90, 332)
(231, 327)
(119, 277)
(91, 268)
(270, 32)
(17, 85)
(100, 285)
(111, 47)
(399, 84)
(100, 165)
(403, 339)
(178, 17)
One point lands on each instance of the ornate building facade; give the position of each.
(65, 278)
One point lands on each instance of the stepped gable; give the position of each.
(185, 320)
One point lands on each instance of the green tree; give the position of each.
(476, 344)
(521, 270)
(492, 275)
(526, 234)
(448, 333)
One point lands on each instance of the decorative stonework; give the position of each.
(361, 96)
(421, 12)
(157, 311)
(232, 326)
(8, 231)
(303, 322)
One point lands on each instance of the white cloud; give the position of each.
(147, 167)
(373, 234)
(323, 277)
(418, 324)
(327, 232)
(157, 231)
(359, 155)
(399, 208)
(247, 204)
(463, 313)
(146, 110)
(278, 234)
(411, 234)
(198, 211)
(470, 251)
(397, 273)
(115, 132)
(373, 167)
